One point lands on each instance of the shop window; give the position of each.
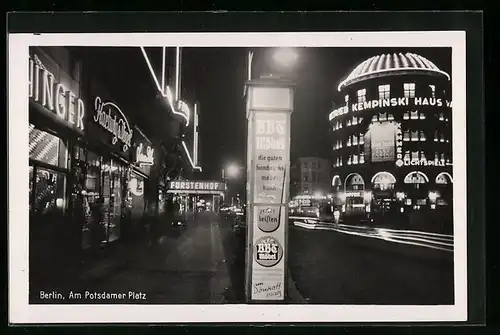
(31, 181)
(414, 135)
(47, 148)
(409, 90)
(384, 92)
(361, 95)
(48, 196)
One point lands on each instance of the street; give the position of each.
(343, 267)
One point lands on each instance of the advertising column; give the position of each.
(269, 106)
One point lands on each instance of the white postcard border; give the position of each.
(21, 312)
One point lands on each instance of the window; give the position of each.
(48, 195)
(406, 135)
(384, 92)
(362, 95)
(433, 91)
(361, 139)
(346, 99)
(31, 187)
(362, 158)
(314, 176)
(354, 140)
(414, 115)
(422, 136)
(406, 115)
(409, 90)
(355, 159)
(305, 176)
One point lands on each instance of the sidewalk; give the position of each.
(192, 271)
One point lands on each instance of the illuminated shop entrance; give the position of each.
(192, 194)
(354, 188)
(418, 198)
(383, 191)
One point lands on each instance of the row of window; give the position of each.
(380, 117)
(353, 159)
(384, 92)
(408, 136)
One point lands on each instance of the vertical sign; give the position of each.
(270, 165)
(269, 106)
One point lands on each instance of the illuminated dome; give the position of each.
(391, 64)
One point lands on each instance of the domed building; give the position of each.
(391, 136)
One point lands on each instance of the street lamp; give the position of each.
(285, 57)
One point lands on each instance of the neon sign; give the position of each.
(54, 96)
(183, 108)
(111, 118)
(399, 145)
(144, 158)
(392, 102)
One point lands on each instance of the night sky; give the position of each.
(215, 77)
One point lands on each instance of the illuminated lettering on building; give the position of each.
(399, 146)
(183, 108)
(110, 117)
(424, 162)
(54, 96)
(392, 102)
(142, 158)
(197, 185)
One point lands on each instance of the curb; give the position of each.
(293, 292)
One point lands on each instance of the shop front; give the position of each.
(57, 117)
(103, 161)
(141, 191)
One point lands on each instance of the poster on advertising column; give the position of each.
(268, 274)
(271, 156)
(270, 165)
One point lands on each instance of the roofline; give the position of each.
(388, 72)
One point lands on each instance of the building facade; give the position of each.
(310, 175)
(94, 174)
(391, 136)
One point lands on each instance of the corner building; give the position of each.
(391, 136)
